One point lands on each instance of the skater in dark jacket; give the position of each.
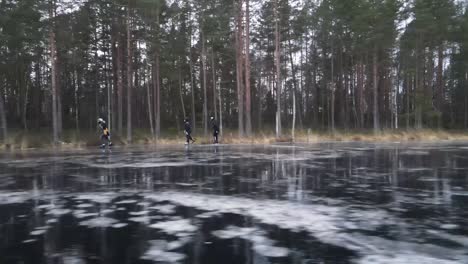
(215, 128)
(188, 132)
(105, 137)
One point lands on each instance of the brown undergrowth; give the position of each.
(72, 140)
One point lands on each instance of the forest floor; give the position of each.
(73, 140)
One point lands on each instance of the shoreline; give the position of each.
(26, 141)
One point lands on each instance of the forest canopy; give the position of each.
(253, 65)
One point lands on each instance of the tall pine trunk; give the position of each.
(440, 83)
(192, 89)
(157, 80)
(129, 75)
(278, 71)
(213, 71)
(248, 94)
(120, 86)
(150, 105)
(181, 93)
(333, 89)
(205, 97)
(239, 70)
(220, 112)
(360, 93)
(294, 77)
(53, 71)
(375, 92)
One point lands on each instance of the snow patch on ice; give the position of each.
(102, 198)
(119, 225)
(160, 251)
(449, 226)
(403, 258)
(38, 232)
(85, 205)
(261, 244)
(52, 221)
(58, 212)
(127, 202)
(164, 209)
(139, 213)
(99, 222)
(330, 224)
(175, 227)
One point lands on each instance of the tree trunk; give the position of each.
(150, 106)
(181, 92)
(25, 108)
(120, 87)
(205, 97)
(157, 80)
(278, 71)
(53, 70)
(360, 93)
(248, 100)
(376, 98)
(239, 75)
(157, 97)
(129, 76)
(213, 70)
(293, 132)
(440, 82)
(333, 89)
(109, 92)
(293, 73)
(192, 90)
(220, 112)
(59, 112)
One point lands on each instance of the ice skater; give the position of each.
(188, 132)
(105, 137)
(215, 128)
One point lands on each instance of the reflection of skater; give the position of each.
(188, 131)
(215, 127)
(105, 137)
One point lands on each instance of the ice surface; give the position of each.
(140, 219)
(328, 224)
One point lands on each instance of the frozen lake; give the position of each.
(322, 203)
